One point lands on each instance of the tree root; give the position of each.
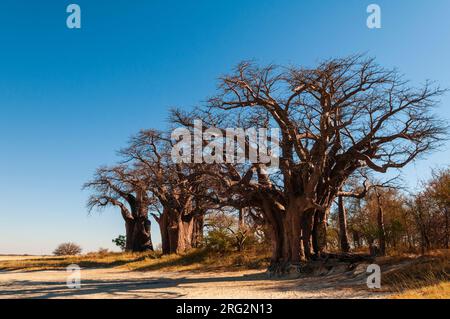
(324, 264)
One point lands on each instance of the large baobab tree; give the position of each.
(125, 189)
(339, 117)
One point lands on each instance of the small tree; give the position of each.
(226, 233)
(67, 249)
(120, 242)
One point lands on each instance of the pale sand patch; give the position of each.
(122, 283)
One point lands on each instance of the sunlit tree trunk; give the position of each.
(197, 233)
(129, 228)
(343, 233)
(381, 228)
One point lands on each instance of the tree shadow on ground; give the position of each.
(152, 288)
(59, 264)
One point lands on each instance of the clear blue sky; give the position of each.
(70, 98)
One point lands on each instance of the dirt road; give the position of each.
(122, 283)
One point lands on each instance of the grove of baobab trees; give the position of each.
(180, 213)
(345, 117)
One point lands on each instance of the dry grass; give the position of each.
(439, 291)
(195, 260)
(412, 276)
(92, 260)
(204, 260)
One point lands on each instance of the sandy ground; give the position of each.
(122, 283)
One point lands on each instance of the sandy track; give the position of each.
(121, 283)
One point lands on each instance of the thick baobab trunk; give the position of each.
(294, 227)
(280, 247)
(307, 230)
(292, 233)
(343, 233)
(381, 229)
(168, 226)
(293, 230)
(286, 231)
(281, 260)
(129, 229)
(163, 222)
(319, 232)
(185, 232)
(141, 235)
(173, 236)
(180, 233)
(197, 233)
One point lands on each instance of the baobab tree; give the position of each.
(125, 189)
(181, 214)
(343, 115)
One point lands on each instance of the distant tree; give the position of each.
(102, 251)
(67, 249)
(120, 242)
(431, 210)
(438, 190)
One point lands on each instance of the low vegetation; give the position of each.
(438, 291)
(196, 259)
(419, 276)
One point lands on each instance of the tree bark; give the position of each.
(307, 229)
(129, 229)
(185, 232)
(179, 232)
(241, 222)
(319, 235)
(356, 239)
(286, 233)
(141, 235)
(197, 233)
(343, 232)
(165, 233)
(381, 229)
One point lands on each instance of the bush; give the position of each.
(219, 240)
(120, 242)
(103, 251)
(224, 234)
(67, 249)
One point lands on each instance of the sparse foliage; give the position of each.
(121, 242)
(67, 249)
